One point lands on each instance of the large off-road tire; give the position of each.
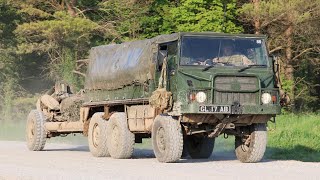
(252, 150)
(97, 136)
(120, 139)
(199, 147)
(36, 135)
(167, 139)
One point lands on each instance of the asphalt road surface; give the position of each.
(61, 161)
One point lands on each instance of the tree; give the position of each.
(168, 16)
(292, 29)
(9, 63)
(125, 15)
(61, 30)
(204, 15)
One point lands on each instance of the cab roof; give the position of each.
(215, 34)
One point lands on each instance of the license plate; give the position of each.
(215, 109)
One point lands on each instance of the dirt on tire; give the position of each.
(120, 139)
(257, 147)
(35, 131)
(97, 136)
(169, 147)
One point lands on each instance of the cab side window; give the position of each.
(168, 50)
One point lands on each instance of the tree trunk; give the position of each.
(257, 24)
(288, 52)
(288, 69)
(71, 4)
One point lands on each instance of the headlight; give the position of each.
(266, 98)
(201, 97)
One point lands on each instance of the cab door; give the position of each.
(169, 52)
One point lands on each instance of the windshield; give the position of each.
(208, 51)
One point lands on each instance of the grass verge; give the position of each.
(295, 137)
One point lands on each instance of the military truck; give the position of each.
(181, 90)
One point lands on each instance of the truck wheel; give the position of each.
(199, 147)
(120, 139)
(35, 131)
(97, 136)
(167, 139)
(251, 148)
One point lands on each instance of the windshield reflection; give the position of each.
(207, 51)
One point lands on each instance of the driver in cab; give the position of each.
(230, 57)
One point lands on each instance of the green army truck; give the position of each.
(181, 90)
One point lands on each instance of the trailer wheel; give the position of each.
(199, 147)
(97, 136)
(251, 148)
(36, 135)
(167, 139)
(120, 139)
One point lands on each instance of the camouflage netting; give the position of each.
(161, 99)
(70, 108)
(117, 65)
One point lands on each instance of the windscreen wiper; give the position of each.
(211, 66)
(252, 65)
(208, 67)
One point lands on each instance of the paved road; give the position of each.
(60, 161)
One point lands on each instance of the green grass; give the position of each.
(293, 137)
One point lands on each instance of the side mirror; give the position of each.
(275, 63)
(275, 67)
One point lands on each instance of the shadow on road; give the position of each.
(272, 154)
(298, 153)
(143, 154)
(216, 156)
(76, 148)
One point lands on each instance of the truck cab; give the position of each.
(222, 84)
(208, 81)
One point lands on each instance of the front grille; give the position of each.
(230, 89)
(229, 98)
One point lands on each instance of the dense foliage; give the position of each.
(43, 41)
